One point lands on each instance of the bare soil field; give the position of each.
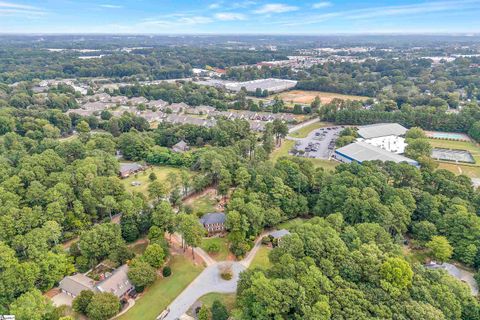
(306, 97)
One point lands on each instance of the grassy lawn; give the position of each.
(163, 291)
(227, 299)
(142, 177)
(261, 259)
(325, 164)
(291, 223)
(204, 204)
(139, 247)
(222, 243)
(286, 146)
(470, 171)
(303, 132)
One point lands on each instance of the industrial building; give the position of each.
(362, 151)
(388, 136)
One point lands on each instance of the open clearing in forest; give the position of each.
(306, 97)
(161, 172)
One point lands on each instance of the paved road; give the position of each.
(210, 281)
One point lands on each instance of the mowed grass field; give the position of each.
(306, 97)
(227, 299)
(303, 132)
(162, 173)
(164, 290)
(261, 259)
(222, 244)
(470, 170)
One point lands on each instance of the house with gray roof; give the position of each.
(118, 283)
(128, 168)
(74, 284)
(180, 146)
(213, 222)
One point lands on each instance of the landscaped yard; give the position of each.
(303, 132)
(228, 299)
(306, 97)
(222, 244)
(261, 259)
(161, 172)
(164, 291)
(204, 204)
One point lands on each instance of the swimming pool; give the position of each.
(448, 135)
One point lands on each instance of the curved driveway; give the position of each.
(210, 281)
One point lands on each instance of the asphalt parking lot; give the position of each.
(319, 144)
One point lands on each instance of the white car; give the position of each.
(164, 314)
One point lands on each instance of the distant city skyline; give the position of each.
(240, 17)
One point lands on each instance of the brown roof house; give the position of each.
(128, 168)
(213, 222)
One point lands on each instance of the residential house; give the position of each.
(74, 284)
(278, 235)
(128, 168)
(213, 222)
(117, 283)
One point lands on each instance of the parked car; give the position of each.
(164, 314)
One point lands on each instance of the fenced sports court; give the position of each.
(452, 155)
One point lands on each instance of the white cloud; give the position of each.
(323, 4)
(111, 6)
(230, 16)
(21, 10)
(386, 11)
(215, 5)
(275, 8)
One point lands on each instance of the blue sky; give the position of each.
(241, 16)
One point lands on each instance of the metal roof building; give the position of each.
(362, 151)
(381, 130)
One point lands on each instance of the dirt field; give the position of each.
(306, 97)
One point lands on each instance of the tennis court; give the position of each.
(452, 155)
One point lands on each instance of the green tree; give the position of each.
(103, 306)
(31, 305)
(190, 229)
(157, 190)
(219, 311)
(141, 274)
(396, 275)
(81, 302)
(154, 255)
(441, 250)
(203, 313)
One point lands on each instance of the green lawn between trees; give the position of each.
(164, 290)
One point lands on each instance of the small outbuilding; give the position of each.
(180, 146)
